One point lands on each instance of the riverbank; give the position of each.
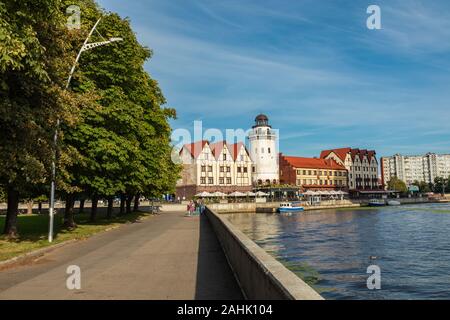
(271, 207)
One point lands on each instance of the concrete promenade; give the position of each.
(168, 256)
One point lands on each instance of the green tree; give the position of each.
(124, 138)
(397, 185)
(34, 59)
(441, 185)
(423, 186)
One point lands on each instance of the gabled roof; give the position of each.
(342, 153)
(313, 163)
(195, 148)
(235, 148)
(217, 148)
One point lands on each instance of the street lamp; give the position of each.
(86, 46)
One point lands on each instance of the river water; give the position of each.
(332, 249)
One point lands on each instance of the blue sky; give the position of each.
(312, 66)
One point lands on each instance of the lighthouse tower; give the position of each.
(263, 151)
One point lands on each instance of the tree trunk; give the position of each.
(81, 209)
(136, 202)
(40, 207)
(69, 222)
(109, 212)
(129, 199)
(11, 214)
(122, 204)
(30, 207)
(94, 208)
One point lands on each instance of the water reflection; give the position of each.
(409, 243)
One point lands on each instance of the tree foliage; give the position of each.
(115, 135)
(397, 185)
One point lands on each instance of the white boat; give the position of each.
(289, 207)
(394, 203)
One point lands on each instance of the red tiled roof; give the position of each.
(235, 148)
(342, 153)
(217, 148)
(196, 148)
(313, 163)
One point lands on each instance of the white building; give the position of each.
(423, 168)
(214, 167)
(263, 151)
(362, 166)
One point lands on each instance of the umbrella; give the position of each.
(237, 194)
(218, 194)
(250, 194)
(203, 194)
(309, 193)
(261, 194)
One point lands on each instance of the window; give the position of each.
(309, 172)
(315, 172)
(221, 169)
(320, 173)
(202, 180)
(242, 157)
(239, 169)
(210, 180)
(224, 157)
(228, 169)
(221, 180)
(245, 170)
(206, 156)
(304, 172)
(210, 169)
(268, 150)
(203, 168)
(228, 180)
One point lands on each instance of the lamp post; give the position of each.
(86, 46)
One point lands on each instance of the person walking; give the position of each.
(192, 208)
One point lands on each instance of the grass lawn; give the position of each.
(33, 231)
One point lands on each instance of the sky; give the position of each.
(312, 66)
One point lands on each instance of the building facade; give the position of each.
(313, 174)
(362, 166)
(214, 167)
(422, 168)
(263, 143)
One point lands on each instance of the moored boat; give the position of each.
(290, 207)
(394, 203)
(376, 203)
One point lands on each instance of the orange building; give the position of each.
(313, 173)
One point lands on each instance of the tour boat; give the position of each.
(394, 203)
(376, 203)
(289, 207)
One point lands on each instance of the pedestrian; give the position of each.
(188, 208)
(191, 208)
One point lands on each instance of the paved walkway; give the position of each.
(164, 257)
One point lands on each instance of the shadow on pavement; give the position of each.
(215, 280)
